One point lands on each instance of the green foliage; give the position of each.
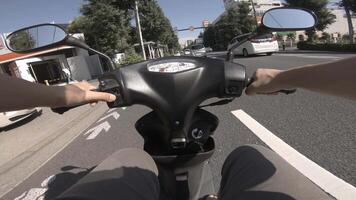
(350, 4)
(106, 28)
(325, 36)
(291, 36)
(345, 37)
(131, 57)
(324, 15)
(327, 47)
(22, 40)
(279, 36)
(156, 26)
(237, 21)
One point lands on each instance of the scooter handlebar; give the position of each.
(287, 92)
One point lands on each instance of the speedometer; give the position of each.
(170, 67)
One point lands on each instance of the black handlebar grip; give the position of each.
(251, 80)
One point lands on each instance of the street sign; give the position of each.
(206, 23)
(191, 28)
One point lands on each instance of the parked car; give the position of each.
(249, 44)
(8, 118)
(208, 49)
(186, 52)
(198, 50)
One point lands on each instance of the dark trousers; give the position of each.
(249, 172)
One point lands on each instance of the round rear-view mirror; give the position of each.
(35, 37)
(289, 19)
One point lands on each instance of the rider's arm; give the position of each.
(19, 94)
(335, 78)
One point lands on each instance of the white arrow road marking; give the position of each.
(94, 132)
(331, 184)
(36, 193)
(110, 110)
(116, 115)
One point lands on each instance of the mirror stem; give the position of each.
(78, 43)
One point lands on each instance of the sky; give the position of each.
(15, 14)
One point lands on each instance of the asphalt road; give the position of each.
(320, 127)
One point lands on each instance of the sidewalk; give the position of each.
(26, 148)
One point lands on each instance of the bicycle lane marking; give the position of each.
(327, 181)
(38, 193)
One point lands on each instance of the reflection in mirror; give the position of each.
(35, 37)
(288, 18)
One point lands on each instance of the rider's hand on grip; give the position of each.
(265, 81)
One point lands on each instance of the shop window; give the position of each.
(49, 71)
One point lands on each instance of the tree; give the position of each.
(107, 25)
(349, 5)
(156, 26)
(209, 37)
(106, 28)
(236, 21)
(23, 40)
(326, 37)
(319, 7)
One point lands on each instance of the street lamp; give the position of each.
(139, 30)
(254, 11)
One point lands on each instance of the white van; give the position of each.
(248, 44)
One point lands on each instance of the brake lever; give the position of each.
(287, 92)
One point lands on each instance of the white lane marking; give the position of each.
(124, 108)
(37, 193)
(110, 110)
(115, 115)
(94, 132)
(333, 185)
(309, 56)
(48, 180)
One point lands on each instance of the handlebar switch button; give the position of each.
(112, 86)
(178, 143)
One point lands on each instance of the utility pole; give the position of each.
(139, 30)
(254, 12)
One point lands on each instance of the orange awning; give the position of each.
(17, 56)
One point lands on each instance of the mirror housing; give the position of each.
(35, 37)
(51, 35)
(283, 19)
(288, 19)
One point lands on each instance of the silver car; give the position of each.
(198, 50)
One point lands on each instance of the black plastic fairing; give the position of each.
(174, 96)
(235, 79)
